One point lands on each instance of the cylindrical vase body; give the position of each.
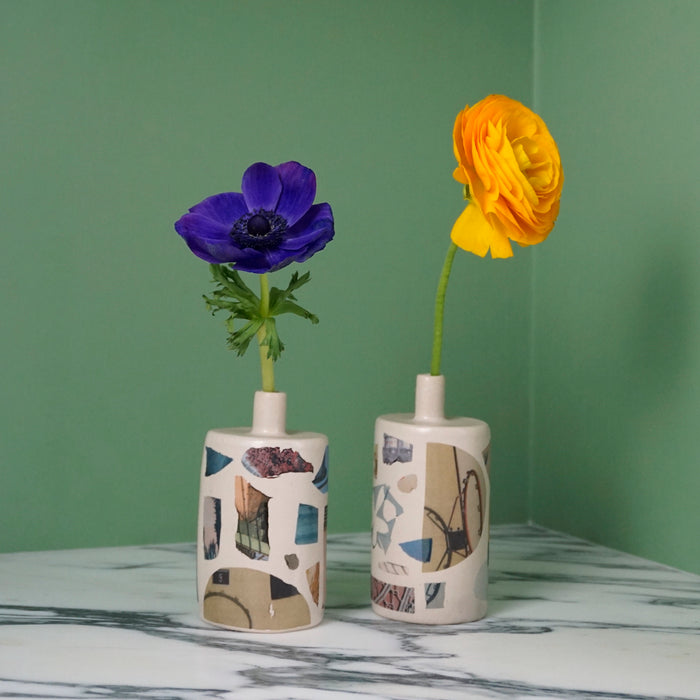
(261, 548)
(430, 521)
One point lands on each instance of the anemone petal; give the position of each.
(298, 191)
(318, 244)
(261, 187)
(259, 261)
(198, 225)
(278, 258)
(313, 230)
(207, 239)
(225, 208)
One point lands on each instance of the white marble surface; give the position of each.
(567, 619)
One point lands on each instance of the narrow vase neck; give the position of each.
(270, 413)
(430, 398)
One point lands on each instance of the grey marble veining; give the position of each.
(567, 619)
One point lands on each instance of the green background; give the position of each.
(583, 354)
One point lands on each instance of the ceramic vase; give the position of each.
(430, 522)
(261, 546)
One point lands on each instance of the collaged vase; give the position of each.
(430, 516)
(261, 546)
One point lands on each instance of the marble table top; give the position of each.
(567, 619)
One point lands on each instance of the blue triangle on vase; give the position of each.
(418, 549)
(307, 524)
(384, 539)
(321, 479)
(215, 462)
(384, 501)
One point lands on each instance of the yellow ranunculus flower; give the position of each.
(510, 164)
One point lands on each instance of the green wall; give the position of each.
(583, 354)
(617, 287)
(119, 115)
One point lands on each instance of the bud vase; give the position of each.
(430, 516)
(261, 545)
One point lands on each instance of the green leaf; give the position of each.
(240, 340)
(281, 299)
(272, 340)
(233, 296)
(237, 309)
(232, 285)
(289, 307)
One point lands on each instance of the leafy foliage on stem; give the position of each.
(233, 296)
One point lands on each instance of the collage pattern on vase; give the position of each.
(264, 525)
(448, 486)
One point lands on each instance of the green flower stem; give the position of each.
(267, 364)
(440, 310)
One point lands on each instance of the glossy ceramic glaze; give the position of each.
(430, 524)
(261, 547)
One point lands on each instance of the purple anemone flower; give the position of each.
(271, 224)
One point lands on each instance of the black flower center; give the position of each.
(260, 229)
(259, 225)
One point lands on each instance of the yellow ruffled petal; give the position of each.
(459, 175)
(511, 164)
(457, 138)
(473, 232)
(500, 246)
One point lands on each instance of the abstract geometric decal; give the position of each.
(270, 462)
(386, 510)
(220, 577)
(211, 526)
(279, 589)
(453, 512)
(407, 483)
(392, 597)
(215, 461)
(307, 525)
(418, 549)
(435, 595)
(252, 532)
(473, 505)
(392, 568)
(292, 561)
(396, 450)
(313, 574)
(486, 454)
(321, 479)
(251, 599)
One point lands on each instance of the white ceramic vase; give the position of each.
(261, 545)
(430, 517)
